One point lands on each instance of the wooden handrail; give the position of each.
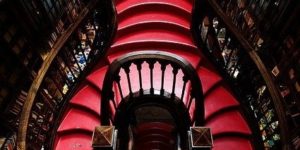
(26, 111)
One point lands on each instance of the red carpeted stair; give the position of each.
(154, 135)
(162, 25)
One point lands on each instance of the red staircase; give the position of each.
(154, 135)
(162, 25)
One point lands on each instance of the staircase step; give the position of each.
(143, 133)
(167, 46)
(218, 100)
(133, 4)
(78, 119)
(154, 18)
(154, 125)
(154, 145)
(89, 98)
(74, 141)
(148, 30)
(155, 137)
(97, 77)
(232, 143)
(157, 134)
(159, 36)
(208, 78)
(229, 122)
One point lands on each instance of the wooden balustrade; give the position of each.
(139, 78)
(150, 58)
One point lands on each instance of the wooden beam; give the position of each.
(276, 97)
(26, 111)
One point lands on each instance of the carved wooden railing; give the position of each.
(220, 31)
(120, 76)
(70, 60)
(150, 59)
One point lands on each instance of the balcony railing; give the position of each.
(88, 39)
(150, 60)
(140, 77)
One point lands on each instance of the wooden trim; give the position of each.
(26, 111)
(276, 98)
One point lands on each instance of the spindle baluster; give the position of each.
(139, 68)
(127, 71)
(185, 80)
(151, 66)
(163, 69)
(175, 71)
(117, 79)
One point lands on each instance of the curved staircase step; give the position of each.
(232, 143)
(159, 16)
(78, 119)
(89, 98)
(228, 122)
(154, 145)
(154, 125)
(154, 32)
(208, 78)
(74, 141)
(218, 100)
(155, 137)
(132, 4)
(167, 46)
(97, 77)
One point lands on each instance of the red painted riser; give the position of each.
(155, 135)
(162, 25)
